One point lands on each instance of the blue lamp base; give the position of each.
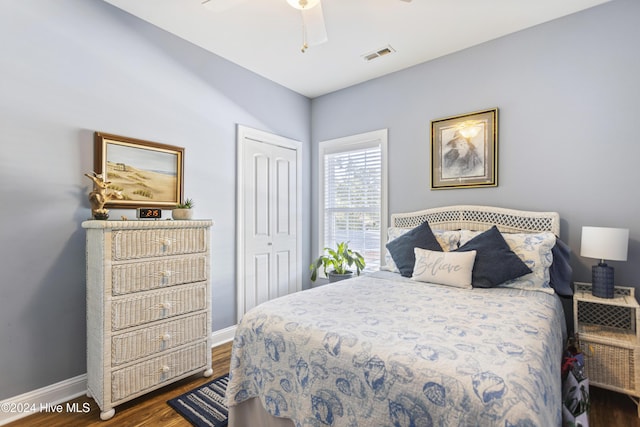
(602, 280)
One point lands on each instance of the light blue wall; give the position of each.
(72, 67)
(568, 94)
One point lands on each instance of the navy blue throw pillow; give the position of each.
(495, 261)
(401, 248)
(560, 271)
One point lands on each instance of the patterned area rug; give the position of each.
(204, 406)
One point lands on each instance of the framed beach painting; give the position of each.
(147, 174)
(464, 150)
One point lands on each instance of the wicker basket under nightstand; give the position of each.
(607, 331)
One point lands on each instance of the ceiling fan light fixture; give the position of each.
(303, 4)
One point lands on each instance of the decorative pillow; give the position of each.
(495, 261)
(535, 249)
(561, 272)
(392, 234)
(448, 241)
(401, 249)
(444, 268)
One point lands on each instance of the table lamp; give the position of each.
(604, 243)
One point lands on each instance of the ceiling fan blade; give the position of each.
(313, 21)
(220, 5)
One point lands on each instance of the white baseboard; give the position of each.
(223, 336)
(45, 398)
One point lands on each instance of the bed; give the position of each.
(387, 349)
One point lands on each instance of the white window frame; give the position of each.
(350, 143)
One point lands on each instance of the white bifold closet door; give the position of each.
(270, 221)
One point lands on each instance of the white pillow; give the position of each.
(447, 239)
(534, 249)
(444, 268)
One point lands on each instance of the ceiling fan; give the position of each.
(313, 29)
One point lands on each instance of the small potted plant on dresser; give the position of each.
(183, 210)
(337, 263)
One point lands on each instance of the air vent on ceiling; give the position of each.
(378, 53)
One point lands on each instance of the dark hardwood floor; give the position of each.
(148, 410)
(611, 409)
(608, 409)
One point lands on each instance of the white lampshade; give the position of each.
(605, 243)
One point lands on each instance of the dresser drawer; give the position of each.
(135, 244)
(157, 305)
(150, 275)
(146, 375)
(170, 334)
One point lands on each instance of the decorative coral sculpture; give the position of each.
(101, 195)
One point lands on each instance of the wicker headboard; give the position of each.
(467, 217)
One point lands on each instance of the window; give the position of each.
(353, 199)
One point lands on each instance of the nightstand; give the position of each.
(607, 331)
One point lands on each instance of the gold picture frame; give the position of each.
(464, 150)
(145, 173)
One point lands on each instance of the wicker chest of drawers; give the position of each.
(148, 307)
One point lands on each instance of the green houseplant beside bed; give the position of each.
(337, 263)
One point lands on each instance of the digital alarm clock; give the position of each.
(149, 213)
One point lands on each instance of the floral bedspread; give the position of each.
(383, 350)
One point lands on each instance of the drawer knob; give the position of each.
(166, 273)
(166, 305)
(166, 337)
(165, 369)
(166, 242)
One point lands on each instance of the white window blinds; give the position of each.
(353, 198)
